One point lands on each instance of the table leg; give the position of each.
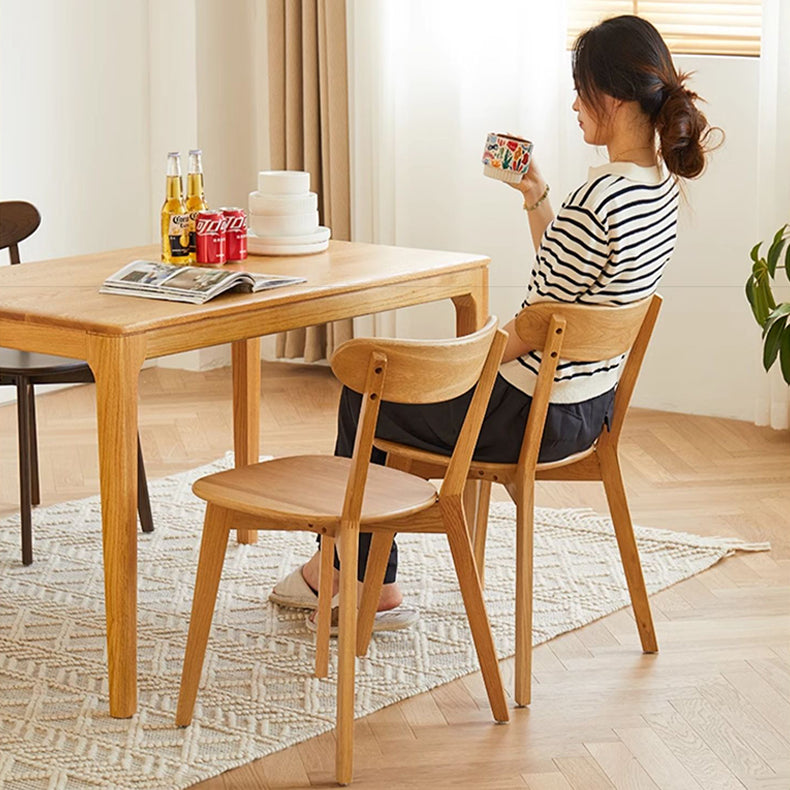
(116, 363)
(246, 358)
(471, 310)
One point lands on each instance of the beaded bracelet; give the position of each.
(540, 200)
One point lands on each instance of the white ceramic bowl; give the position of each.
(283, 182)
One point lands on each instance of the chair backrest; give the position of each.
(418, 371)
(583, 333)
(18, 220)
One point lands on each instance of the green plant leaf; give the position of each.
(763, 298)
(775, 250)
(784, 355)
(787, 262)
(772, 342)
(759, 307)
(754, 254)
(783, 310)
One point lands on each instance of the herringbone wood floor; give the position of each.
(711, 710)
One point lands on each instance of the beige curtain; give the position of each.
(308, 107)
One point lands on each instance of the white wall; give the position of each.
(705, 351)
(74, 122)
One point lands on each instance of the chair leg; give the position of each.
(375, 570)
(347, 631)
(323, 616)
(35, 492)
(525, 516)
(472, 593)
(481, 528)
(624, 532)
(143, 501)
(23, 389)
(212, 555)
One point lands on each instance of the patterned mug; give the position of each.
(506, 157)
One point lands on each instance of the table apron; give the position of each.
(44, 339)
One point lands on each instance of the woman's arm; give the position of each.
(533, 187)
(515, 347)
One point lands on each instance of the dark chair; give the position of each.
(24, 369)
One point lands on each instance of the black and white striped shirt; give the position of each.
(608, 245)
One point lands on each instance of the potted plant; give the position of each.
(772, 317)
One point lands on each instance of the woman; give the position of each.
(608, 244)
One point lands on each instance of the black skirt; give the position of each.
(570, 428)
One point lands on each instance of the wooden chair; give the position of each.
(24, 369)
(578, 333)
(336, 497)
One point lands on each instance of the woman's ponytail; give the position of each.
(683, 131)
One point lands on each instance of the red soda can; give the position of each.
(236, 232)
(210, 237)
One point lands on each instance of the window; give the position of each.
(701, 28)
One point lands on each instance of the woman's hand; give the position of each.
(532, 184)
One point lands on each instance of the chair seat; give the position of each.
(32, 365)
(276, 489)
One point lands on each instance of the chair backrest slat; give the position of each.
(551, 349)
(418, 371)
(18, 220)
(458, 468)
(630, 374)
(593, 332)
(375, 376)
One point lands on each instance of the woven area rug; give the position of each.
(258, 694)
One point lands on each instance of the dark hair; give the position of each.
(626, 58)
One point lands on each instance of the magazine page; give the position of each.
(194, 284)
(262, 281)
(156, 276)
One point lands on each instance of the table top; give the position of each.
(64, 293)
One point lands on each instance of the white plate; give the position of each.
(322, 234)
(259, 246)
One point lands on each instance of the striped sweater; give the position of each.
(607, 245)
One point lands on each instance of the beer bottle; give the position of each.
(175, 220)
(196, 198)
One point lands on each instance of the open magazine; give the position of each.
(195, 284)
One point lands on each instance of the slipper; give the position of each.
(294, 592)
(391, 620)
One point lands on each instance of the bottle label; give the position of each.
(192, 236)
(178, 232)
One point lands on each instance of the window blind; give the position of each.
(702, 28)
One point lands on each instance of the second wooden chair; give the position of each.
(579, 333)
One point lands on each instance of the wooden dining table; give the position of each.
(55, 307)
